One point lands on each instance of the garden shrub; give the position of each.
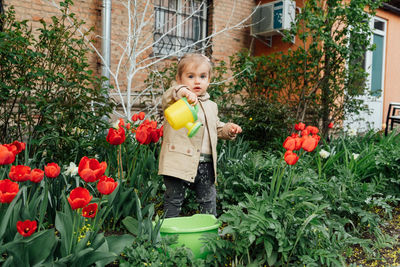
(144, 253)
(330, 205)
(49, 95)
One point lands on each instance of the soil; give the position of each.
(389, 253)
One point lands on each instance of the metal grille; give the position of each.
(179, 26)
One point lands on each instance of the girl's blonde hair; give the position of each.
(193, 58)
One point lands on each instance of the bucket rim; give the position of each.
(177, 230)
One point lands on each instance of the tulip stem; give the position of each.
(319, 166)
(279, 182)
(137, 149)
(287, 186)
(276, 180)
(3, 175)
(131, 167)
(73, 232)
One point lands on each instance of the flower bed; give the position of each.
(311, 203)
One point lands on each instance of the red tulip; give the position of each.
(309, 143)
(8, 190)
(300, 126)
(121, 123)
(305, 132)
(90, 210)
(6, 155)
(36, 175)
(154, 136)
(289, 143)
(135, 117)
(26, 228)
(298, 143)
(147, 132)
(312, 129)
(116, 137)
(79, 198)
(20, 173)
(90, 170)
(106, 185)
(317, 137)
(52, 170)
(141, 115)
(291, 158)
(330, 125)
(19, 146)
(142, 136)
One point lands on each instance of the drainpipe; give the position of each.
(106, 41)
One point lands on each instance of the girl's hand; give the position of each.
(234, 129)
(190, 96)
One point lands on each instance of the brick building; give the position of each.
(169, 24)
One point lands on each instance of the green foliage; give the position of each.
(48, 93)
(144, 253)
(135, 167)
(149, 248)
(328, 205)
(333, 34)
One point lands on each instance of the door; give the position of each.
(374, 63)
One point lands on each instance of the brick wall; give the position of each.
(222, 13)
(228, 43)
(35, 10)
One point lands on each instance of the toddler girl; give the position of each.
(192, 162)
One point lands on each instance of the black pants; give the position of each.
(203, 186)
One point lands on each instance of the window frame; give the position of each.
(369, 54)
(176, 32)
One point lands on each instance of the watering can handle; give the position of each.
(196, 107)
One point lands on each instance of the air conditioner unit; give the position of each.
(269, 19)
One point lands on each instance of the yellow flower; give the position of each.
(251, 119)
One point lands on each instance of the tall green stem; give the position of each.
(73, 232)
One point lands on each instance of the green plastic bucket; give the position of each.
(189, 230)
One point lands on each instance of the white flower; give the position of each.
(115, 125)
(324, 154)
(71, 170)
(76, 130)
(355, 156)
(352, 132)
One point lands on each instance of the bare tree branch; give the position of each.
(136, 51)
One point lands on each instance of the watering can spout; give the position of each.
(182, 114)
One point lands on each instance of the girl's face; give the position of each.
(196, 78)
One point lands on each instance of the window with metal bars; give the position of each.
(180, 26)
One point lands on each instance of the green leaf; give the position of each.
(35, 249)
(268, 248)
(117, 243)
(64, 225)
(272, 259)
(43, 207)
(40, 246)
(131, 224)
(10, 209)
